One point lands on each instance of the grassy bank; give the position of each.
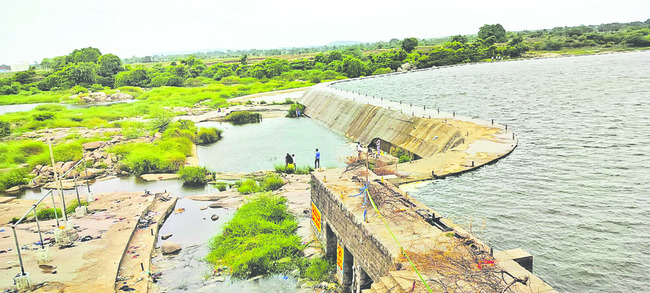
(260, 239)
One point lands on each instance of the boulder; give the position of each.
(170, 247)
(58, 167)
(215, 206)
(214, 217)
(72, 174)
(93, 145)
(12, 190)
(67, 166)
(165, 236)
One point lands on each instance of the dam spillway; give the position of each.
(371, 245)
(444, 143)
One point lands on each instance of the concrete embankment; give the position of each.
(443, 143)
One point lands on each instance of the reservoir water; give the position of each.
(575, 193)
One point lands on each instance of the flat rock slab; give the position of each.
(158, 177)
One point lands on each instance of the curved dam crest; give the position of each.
(447, 144)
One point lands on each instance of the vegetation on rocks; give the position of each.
(243, 117)
(191, 175)
(270, 182)
(304, 170)
(292, 111)
(259, 240)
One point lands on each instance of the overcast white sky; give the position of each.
(31, 30)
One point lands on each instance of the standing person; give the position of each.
(317, 161)
(295, 164)
(288, 160)
(359, 150)
(378, 147)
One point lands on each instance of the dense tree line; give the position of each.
(89, 69)
(85, 67)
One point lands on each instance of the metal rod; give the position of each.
(38, 225)
(86, 170)
(76, 190)
(54, 207)
(20, 258)
(56, 178)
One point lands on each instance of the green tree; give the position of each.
(82, 73)
(459, 38)
(409, 44)
(109, 65)
(492, 30)
(89, 54)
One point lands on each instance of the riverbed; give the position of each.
(575, 192)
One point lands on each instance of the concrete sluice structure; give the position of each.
(383, 240)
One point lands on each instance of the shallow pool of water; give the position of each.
(260, 146)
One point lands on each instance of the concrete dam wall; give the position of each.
(364, 122)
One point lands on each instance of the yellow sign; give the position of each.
(339, 256)
(315, 217)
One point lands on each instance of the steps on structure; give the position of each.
(390, 284)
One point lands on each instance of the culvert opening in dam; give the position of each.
(393, 150)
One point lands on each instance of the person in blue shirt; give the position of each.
(317, 161)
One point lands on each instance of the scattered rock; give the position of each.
(215, 206)
(219, 279)
(90, 146)
(67, 166)
(166, 236)
(14, 189)
(214, 217)
(170, 247)
(203, 208)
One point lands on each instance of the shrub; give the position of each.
(5, 129)
(221, 186)
(208, 135)
(193, 175)
(43, 116)
(315, 269)
(404, 159)
(243, 117)
(248, 186)
(78, 89)
(290, 170)
(13, 177)
(292, 111)
(259, 240)
(271, 182)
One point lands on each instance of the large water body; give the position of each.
(575, 192)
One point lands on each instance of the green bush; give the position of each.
(248, 186)
(243, 117)
(259, 240)
(13, 177)
(5, 129)
(292, 111)
(304, 170)
(193, 175)
(208, 135)
(43, 116)
(271, 182)
(404, 159)
(315, 269)
(48, 213)
(221, 186)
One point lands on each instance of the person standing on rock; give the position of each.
(359, 150)
(288, 160)
(295, 164)
(317, 161)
